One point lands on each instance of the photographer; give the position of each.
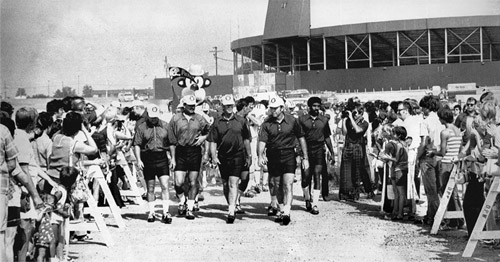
(353, 173)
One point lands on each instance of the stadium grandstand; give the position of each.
(398, 54)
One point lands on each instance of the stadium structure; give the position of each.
(371, 56)
(391, 55)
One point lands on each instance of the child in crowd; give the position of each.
(396, 155)
(52, 217)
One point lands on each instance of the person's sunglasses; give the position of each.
(471, 104)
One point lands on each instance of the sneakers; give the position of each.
(190, 215)
(286, 220)
(238, 210)
(271, 211)
(308, 205)
(196, 207)
(314, 210)
(279, 217)
(230, 219)
(167, 218)
(151, 218)
(181, 210)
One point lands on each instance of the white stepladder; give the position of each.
(478, 233)
(134, 190)
(98, 224)
(112, 208)
(442, 213)
(131, 176)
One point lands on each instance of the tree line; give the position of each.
(60, 93)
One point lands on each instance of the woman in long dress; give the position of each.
(353, 174)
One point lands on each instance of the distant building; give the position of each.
(114, 92)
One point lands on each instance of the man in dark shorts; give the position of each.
(187, 131)
(316, 133)
(151, 145)
(278, 134)
(229, 139)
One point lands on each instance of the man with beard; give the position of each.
(229, 140)
(316, 133)
(187, 131)
(278, 136)
(151, 145)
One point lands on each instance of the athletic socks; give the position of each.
(285, 209)
(182, 199)
(257, 178)
(151, 206)
(315, 197)
(190, 204)
(166, 205)
(232, 209)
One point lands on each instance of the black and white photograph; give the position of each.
(249, 130)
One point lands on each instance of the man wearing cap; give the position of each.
(187, 131)
(317, 133)
(151, 145)
(278, 136)
(229, 140)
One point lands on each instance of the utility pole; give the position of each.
(215, 51)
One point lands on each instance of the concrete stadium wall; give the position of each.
(403, 77)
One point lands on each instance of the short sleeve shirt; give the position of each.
(316, 130)
(229, 135)
(183, 131)
(152, 138)
(26, 153)
(432, 127)
(8, 151)
(42, 148)
(281, 135)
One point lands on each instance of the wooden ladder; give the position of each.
(98, 225)
(134, 190)
(478, 233)
(442, 212)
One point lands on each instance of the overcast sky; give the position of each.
(122, 44)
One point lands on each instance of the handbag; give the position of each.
(25, 202)
(79, 191)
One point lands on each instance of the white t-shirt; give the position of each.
(412, 126)
(432, 127)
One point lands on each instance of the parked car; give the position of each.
(141, 97)
(125, 97)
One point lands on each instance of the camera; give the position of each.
(349, 107)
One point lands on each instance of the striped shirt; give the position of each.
(8, 151)
(453, 148)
